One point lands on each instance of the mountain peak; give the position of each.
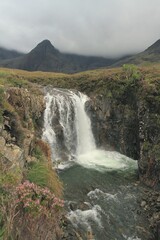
(45, 42)
(45, 47)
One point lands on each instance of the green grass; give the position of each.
(41, 171)
(42, 174)
(95, 81)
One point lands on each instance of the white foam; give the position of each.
(84, 218)
(97, 193)
(63, 165)
(131, 238)
(106, 160)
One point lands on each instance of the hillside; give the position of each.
(45, 57)
(8, 54)
(147, 57)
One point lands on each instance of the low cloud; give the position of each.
(108, 28)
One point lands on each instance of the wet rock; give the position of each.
(143, 203)
(69, 233)
(83, 206)
(73, 206)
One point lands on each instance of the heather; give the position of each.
(26, 207)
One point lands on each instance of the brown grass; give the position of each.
(45, 149)
(89, 81)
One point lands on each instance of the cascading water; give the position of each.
(101, 180)
(67, 127)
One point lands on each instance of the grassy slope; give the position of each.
(90, 81)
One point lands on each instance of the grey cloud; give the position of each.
(90, 27)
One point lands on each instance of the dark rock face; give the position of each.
(149, 205)
(130, 124)
(149, 136)
(115, 126)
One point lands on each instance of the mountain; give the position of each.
(8, 54)
(45, 57)
(150, 55)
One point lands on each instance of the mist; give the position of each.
(109, 28)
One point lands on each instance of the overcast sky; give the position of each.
(90, 27)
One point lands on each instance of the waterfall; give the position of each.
(67, 127)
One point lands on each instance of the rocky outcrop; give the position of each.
(29, 105)
(22, 123)
(11, 154)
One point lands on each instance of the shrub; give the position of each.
(43, 148)
(31, 211)
(38, 153)
(39, 213)
(24, 205)
(8, 180)
(35, 199)
(131, 72)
